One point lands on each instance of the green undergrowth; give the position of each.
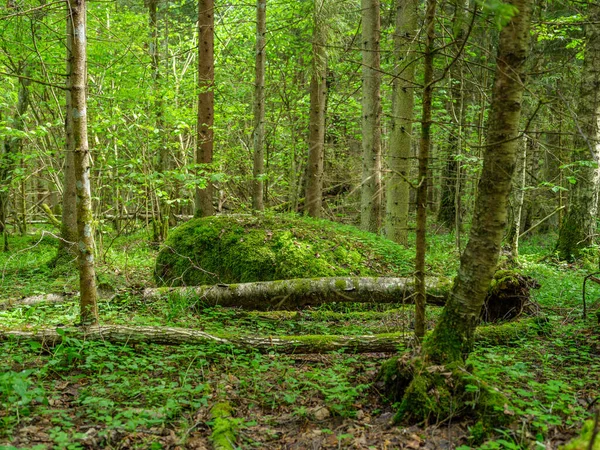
(237, 249)
(139, 395)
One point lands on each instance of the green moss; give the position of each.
(238, 249)
(438, 392)
(224, 427)
(582, 442)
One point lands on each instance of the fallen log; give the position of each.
(389, 342)
(508, 296)
(299, 293)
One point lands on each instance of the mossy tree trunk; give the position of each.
(579, 224)
(318, 104)
(397, 186)
(453, 337)
(370, 203)
(87, 275)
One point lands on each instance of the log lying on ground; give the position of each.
(299, 293)
(508, 296)
(389, 342)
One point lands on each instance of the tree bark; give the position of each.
(258, 135)
(299, 293)
(519, 196)
(67, 246)
(424, 147)
(370, 209)
(82, 160)
(318, 102)
(206, 99)
(449, 212)
(578, 227)
(452, 338)
(398, 187)
(160, 221)
(390, 342)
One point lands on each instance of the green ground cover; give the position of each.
(101, 395)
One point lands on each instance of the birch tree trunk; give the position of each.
(206, 99)
(398, 188)
(579, 224)
(318, 102)
(258, 135)
(370, 204)
(78, 113)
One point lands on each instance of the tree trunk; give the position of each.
(579, 224)
(206, 100)
(449, 210)
(453, 337)
(519, 195)
(370, 204)
(398, 187)
(82, 160)
(258, 135)
(424, 147)
(389, 342)
(507, 299)
(160, 220)
(67, 246)
(299, 293)
(318, 102)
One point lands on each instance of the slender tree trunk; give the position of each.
(450, 189)
(578, 227)
(206, 100)
(519, 195)
(370, 204)
(67, 245)
(398, 187)
(78, 113)
(258, 135)
(160, 221)
(452, 338)
(424, 147)
(318, 102)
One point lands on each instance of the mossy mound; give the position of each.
(239, 249)
(434, 393)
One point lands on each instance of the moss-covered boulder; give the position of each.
(238, 249)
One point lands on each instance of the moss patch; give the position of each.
(237, 249)
(583, 441)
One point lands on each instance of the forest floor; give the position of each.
(84, 394)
